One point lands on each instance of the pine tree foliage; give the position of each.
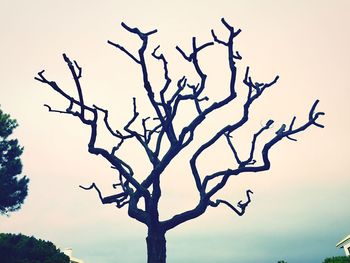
(18, 248)
(13, 186)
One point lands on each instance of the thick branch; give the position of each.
(280, 134)
(119, 164)
(147, 85)
(216, 105)
(227, 130)
(187, 133)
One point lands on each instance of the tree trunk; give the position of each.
(156, 247)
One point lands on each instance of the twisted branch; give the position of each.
(241, 205)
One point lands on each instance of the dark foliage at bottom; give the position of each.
(18, 248)
(337, 260)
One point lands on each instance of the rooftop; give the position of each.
(343, 241)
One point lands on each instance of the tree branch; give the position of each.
(119, 164)
(280, 134)
(57, 111)
(119, 199)
(228, 130)
(233, 149)
(76, 76)
(124, 50)
(242, 206)
(166, 76)
(256, 135)
(147, 85)
(216, 105)
(140, 138)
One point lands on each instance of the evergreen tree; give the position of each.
(13, 186)
(20, 248)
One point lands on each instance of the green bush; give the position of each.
(337, 260)
(23, 249)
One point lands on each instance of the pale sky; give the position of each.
(300, 207)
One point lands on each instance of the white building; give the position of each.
(345, 243)
(69, 253)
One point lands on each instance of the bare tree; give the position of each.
(162, 141)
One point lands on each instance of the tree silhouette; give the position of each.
(162, 140)
(13, 186)
(16, 248)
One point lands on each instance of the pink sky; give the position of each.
(300, 207)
